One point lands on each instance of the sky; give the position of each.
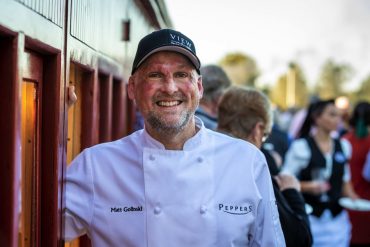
(276, 32)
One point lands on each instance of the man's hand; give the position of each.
(286, 181)
(72, 97)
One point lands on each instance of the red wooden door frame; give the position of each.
(32, 71)
(105, 107)
(10, 139)
(51, 144)
(119, 111)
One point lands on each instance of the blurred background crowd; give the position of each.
(319, 137)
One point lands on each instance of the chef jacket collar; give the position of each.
(189, 145)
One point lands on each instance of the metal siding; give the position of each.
(50, 9)
(83, 18)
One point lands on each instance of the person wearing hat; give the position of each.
(175, 182)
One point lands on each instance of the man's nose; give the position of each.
(169, 85)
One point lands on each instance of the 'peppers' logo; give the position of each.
(235, 209)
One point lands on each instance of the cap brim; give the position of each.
(193, 59)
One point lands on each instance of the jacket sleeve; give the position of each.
(79, 198)
(268, 230)
(296, 158)
(297, 226)
(296, 202)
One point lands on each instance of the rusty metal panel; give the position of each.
(52, 10)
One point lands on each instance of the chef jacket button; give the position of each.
(151, 157)
(203, 209)
(200, 159)
(157, 210)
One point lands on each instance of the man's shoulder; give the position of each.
(219, 136)
(230, 141)
(117, 145)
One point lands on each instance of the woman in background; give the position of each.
(320, 163)
(359, 138)
(245, 113)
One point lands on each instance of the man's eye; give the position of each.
(181, 75)
(154, 75)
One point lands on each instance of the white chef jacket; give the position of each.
(217, 191)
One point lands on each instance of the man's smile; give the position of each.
(169, 103)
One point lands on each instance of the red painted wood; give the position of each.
(33, 71)
(9, 142)
(45, 71)
(51, 157)
(119, 116)
(131, 115)
(90, 110)
(105, 108)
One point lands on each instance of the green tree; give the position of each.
(278, 92)
(364, 92)
(332, 78)
(291, 89)
(241, 68)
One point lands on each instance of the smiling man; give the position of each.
(167, 90)
(184, 184)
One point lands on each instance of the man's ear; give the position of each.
(131, 88)
(257, 132)
(200, 86)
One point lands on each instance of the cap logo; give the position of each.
(177, 40)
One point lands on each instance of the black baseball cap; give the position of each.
(165, 40)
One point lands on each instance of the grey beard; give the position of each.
(159, 125)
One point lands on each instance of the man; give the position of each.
(214, 81)
(174, 183)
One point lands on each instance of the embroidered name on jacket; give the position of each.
(125, 209)
(235, 209)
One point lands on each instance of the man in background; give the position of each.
(215, 81)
